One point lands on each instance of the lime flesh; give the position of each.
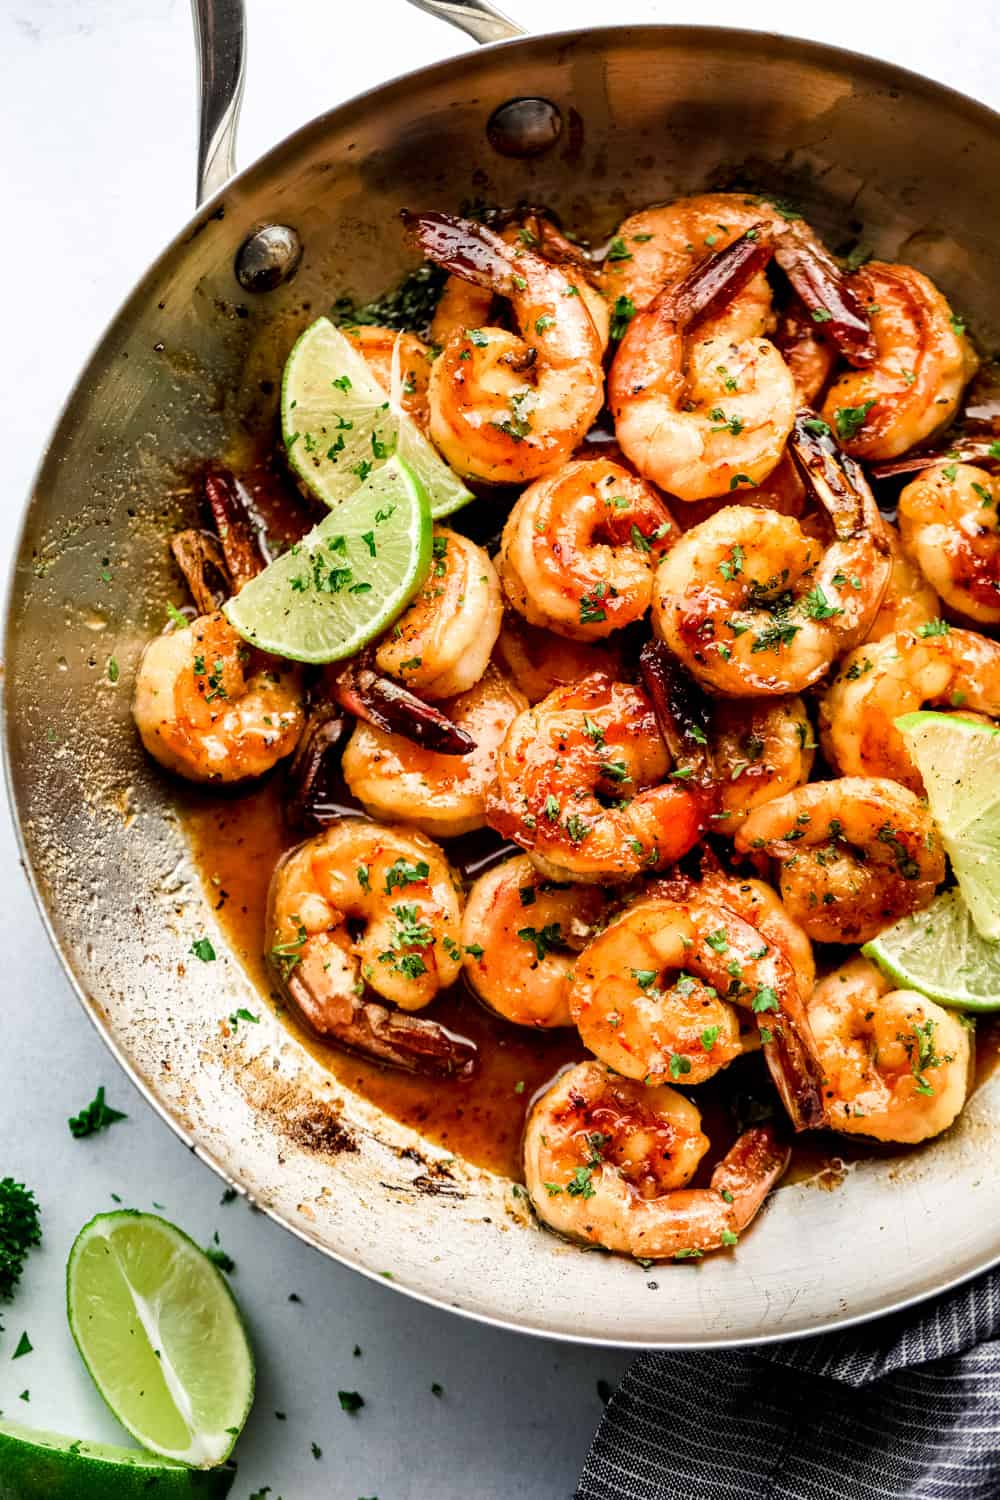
(959, 761)
(47, 1466)
(339, 425)
(348, 579)
(939, 952)
(161, 1335)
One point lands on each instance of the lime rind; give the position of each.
(161, 1336)
(37, 1465)
(939, 952)
(959, 760)
(348, 579)
(339, 425)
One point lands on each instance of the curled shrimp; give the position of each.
(655, 996)
(909, 601)
(950, 527)
(580, 548)
(441, 643)
(855, 855)
(444, 795)
(759, 904)
(505, 407)
(579, 786)
(210, 708)
(360, 912)
(923, 363)
(782, 491)
(701, 412)
(538, 661)
(942, 668)
(754, 606)
(607, 1162)
(761, 748)
(897, 1065)
(521, 934)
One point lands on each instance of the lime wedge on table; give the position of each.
(959, 761)
(339, 425)
(48, 1466)
(939, 952)
(160, 1333)
(348, 579)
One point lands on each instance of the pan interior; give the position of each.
(187, 372)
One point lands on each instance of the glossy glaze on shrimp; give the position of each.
(505, 407)
(212, 709)
(949, 524)
(607, 1162)
(580, 549)
(898, 1067)
(854, 855)
(362, 914)
(937, 667)
(583, 786)
(521, 934)
(923, 363)
(538, 661)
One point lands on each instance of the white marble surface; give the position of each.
(97, 113)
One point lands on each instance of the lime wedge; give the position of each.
(47, 1466)
(339, 425)
(959, 761)
(939, 952)
(160, 1333)
(348, 579)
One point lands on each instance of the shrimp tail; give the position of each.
(239, 536)
(793, 1062)
(749, 1170)
(395, 710)
(836, 480)
(823, 289)
(413, 1043)
(466, 248)
(681, 710)
(309, 804)
(711, 285)
(981, 450)
(200, 558)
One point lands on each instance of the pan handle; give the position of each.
(220, 42)
(477, 18)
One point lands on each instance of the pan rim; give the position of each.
(846, 61)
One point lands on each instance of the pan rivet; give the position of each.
(524, 127)
(268, 257)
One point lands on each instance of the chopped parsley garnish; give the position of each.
(850, 419)
(202, 948)
(621, 316)
(545, 939)
(933, 627)
(350, 1401)
(618, 250)
(817, 606)
(765, 999)
(401, 874)
(98, 1115)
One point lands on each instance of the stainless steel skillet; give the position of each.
(619, 118)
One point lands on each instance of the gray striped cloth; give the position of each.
(904, 1409)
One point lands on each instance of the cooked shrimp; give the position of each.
(362, 908)
(595, 740)
(521, 934)
(909, 601)
(699, 411)
(508, 407)
(440, 645)
(655, 996)
(855, 855)
(942, 668)
(753, 606)
(759, 904)
(922, 365)
(782, 491)
(809, 354)
(212, 709)
(400, 362)
(580, 548)
(537, 661)
(897, 1065)
(760, 748)
(950, 526)
(607, 1161)
(444, 795)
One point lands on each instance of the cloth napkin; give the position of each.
(907, 1408)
